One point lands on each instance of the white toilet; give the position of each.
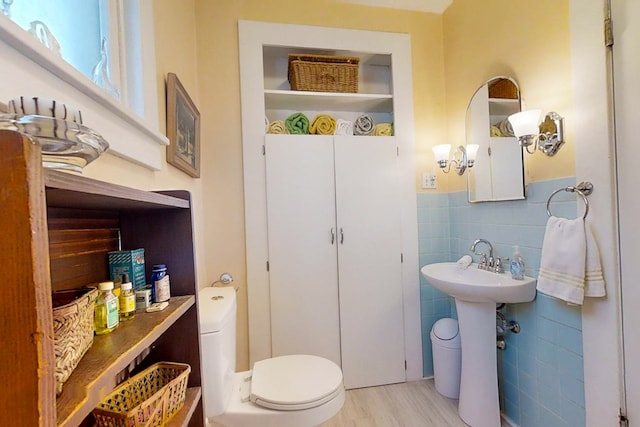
(285, 391)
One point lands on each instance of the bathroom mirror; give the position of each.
(498, 172)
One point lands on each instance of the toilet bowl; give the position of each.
(285, 391)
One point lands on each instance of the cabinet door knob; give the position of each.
(333, 236)
(341, 236)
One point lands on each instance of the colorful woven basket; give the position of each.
(148, 399)
(72, 329)
(323, 73)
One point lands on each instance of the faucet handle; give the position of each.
(483, 260)
(499, 267)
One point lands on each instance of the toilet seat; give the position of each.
(295, 382)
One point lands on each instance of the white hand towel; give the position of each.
(344, 127)
(570, 261)
(464, 262)
(594, 279)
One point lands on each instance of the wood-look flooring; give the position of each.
(411, 404)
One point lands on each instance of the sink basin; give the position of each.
(476, 293)
(475, 285)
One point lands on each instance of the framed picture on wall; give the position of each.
(183, 128)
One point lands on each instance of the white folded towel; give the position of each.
(570, 267)
(464, 262)
(344, 127)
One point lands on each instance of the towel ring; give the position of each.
(583, 189)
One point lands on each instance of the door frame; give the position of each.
(592, 128)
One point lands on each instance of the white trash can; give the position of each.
(447, 359)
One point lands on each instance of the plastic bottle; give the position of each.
(160, 288)
(105, 315)
(517, 264)
(127, 299)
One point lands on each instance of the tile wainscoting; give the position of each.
(541, 370)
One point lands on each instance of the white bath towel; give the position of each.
(570, 266)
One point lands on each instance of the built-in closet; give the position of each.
(331, 227)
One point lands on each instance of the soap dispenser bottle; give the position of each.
(517, 265)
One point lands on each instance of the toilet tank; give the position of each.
(217, 314)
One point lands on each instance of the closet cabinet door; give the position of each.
(369, 249)
(302, 249)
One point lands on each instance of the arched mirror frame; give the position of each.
(498, 172)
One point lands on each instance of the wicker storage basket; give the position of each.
(323, 73)
(503, 88)
(150, 398)
(72, 329)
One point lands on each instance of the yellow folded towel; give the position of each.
(323, 124)
(277, 127)
(383, 129)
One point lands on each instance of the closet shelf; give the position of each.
(327, 101)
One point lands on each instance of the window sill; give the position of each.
(30, 69)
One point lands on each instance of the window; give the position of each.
(130, 123)
(83, 32)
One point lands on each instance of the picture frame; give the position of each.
(183, 128)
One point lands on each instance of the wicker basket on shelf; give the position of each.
(323, 73)
(72, 329)
(503, 88)
(150, 398)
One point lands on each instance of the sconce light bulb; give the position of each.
(472, 152)
(525, 122)
(441, 153)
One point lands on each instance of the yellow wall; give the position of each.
(219, 82)
(198, 40)
(529, 41)
(175, 39)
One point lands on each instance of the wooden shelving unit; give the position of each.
(57, 229)
(109, 355)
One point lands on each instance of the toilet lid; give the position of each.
(289, 383)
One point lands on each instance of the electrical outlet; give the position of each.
(429, 180)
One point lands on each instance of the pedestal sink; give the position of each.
(476, 293)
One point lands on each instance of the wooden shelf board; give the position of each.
(330, 101)
(182, 418)
(95, 375)
(73, 191)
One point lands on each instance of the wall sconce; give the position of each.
(548, 135)
(463, 158)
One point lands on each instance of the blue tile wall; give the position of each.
(541, 371)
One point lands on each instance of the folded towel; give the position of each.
(277, 127)
(383, 129)
(323, 124)
(344, 127)
(297, 124)
(564, 272)
(364, 125)
(464, 262)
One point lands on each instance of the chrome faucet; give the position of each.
(484, 264)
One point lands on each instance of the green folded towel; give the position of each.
(297, 124)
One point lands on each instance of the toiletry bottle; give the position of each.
(106, 309)
(127, 299)
(517, 265)
(160, 288)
